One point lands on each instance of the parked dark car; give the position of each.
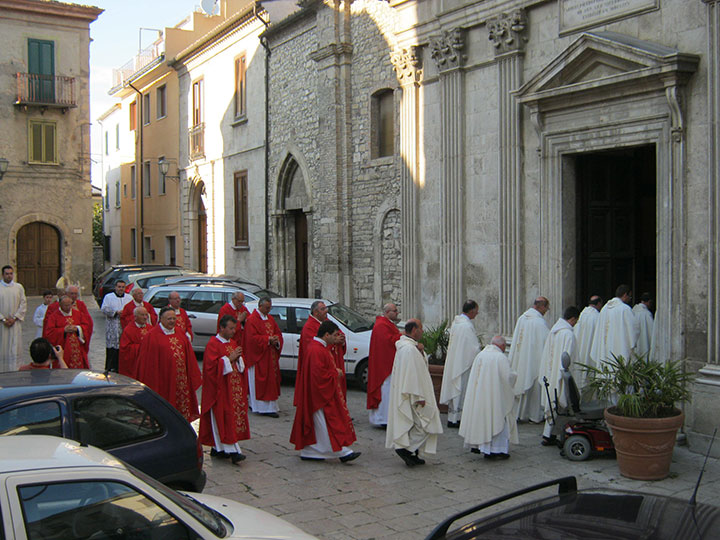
(574, 514)
(105, 282)
(109, 411)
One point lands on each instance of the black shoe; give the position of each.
(350, 457)
(453, 424)
(490, 456)
(237, 457)
(270, 414)
(219, 454)
(306, 458)
(476, 451)
(549, 441)
(406, 456)
(418, 460)
(500, 455)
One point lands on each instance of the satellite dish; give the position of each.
(209, 6)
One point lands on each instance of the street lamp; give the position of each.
(3, 167)
(165, 168)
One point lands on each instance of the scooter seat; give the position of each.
(593, 410)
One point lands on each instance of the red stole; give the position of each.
(74, 352)
(183, 323)
(264, 357)
(88, 321)
(381, 357)
(130, 341)
(127, 315)
(224, 395)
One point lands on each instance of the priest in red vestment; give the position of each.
(224, 415)
(73, 291)
(380, 363)
(68, 327)
(262, 343)
(237, 310)
(182, 320)
(168, 365)
(130, 341)
(127, 315)
(322, 428)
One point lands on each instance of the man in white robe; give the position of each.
(13, 306)
(560, 340)
(488, 425)
(413, 417)
(462, 349)
(112, 306)
(584, 333)
(617, 330)
(525, 352)
(644, 318)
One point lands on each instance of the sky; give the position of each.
(115, 41)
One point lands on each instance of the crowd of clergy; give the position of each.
(486, 390)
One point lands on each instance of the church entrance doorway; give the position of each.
(38, 257)
(617, 224)
(301, 254)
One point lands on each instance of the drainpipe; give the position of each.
(264, 43)
(139, 176)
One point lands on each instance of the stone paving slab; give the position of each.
(377, 496)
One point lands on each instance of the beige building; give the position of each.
(45, 195)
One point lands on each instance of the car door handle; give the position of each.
(192, 316)
(298, 341)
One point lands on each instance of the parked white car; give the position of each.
(56, 489)
(291, 314)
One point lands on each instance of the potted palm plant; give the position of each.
(435, 342)
(645, 421)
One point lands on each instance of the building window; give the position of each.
(146, 179)
(107, 143)
(170, 255)
(148, 252)
(117, 194)
(161, 101)
(107, 197)
(382, 126)
(117, 136)
(133, 182)
(240, 86)
(42, 142)
(41, 68)
(146, 109)
(197, 131)
(133, 244)
(241, 209)
(133, 115)
(161, 178)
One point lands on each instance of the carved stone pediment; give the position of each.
(600, 64)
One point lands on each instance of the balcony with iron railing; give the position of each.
(138, 63)
(197, 141)
(50, 91)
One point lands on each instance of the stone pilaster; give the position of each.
(408, 67)
(507, 34)
(447, 51)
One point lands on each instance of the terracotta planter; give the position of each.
(644, 446)
(436, 374)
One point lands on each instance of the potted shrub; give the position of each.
(645, 421)
(435, 339)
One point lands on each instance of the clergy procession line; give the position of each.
(486, 391)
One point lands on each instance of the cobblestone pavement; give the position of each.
(377, 496)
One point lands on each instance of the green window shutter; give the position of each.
(41, 64)
(49, 143)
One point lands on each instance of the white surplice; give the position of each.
(462, 349)
(584, 331)
(489, 420)
(616, 332)
(12, 304)
(112, 306)
(645, 323)
(525, 353)
(560, 340)
(411, 425)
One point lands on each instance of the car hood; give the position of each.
(251, 523)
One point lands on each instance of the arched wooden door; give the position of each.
(38, 257)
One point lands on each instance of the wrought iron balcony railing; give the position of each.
(45, 90)
(197, 141)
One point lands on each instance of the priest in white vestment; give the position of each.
(644, 318)
(560, 340)
(584, 333)
(488, 425)
(413, 417)
(462, 349)
(112, 306)
(13, 306)
(525, 352)
(617, 330)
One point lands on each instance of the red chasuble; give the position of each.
(130, 341)
(265, 357)
(225, 395)
(380, 361)
(309, 331)
(229, 309)
(183, 323)
(74, 352)
(127, 315)
(82, 308)
(168, 366)
(321, 389)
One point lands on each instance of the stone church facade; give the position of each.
(538, 147)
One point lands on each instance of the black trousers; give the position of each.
(112, 359)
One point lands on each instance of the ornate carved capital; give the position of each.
(507, 31)
(447, 49)
(407, 63)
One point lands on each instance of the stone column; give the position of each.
(408, 67)
(506, 32)
(447, 51)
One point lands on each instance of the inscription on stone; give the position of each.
(577, 14)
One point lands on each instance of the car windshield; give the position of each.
(350, 318)
(261, 293)
(209, 517)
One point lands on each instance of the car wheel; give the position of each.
(577, 448)
(361, 374)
